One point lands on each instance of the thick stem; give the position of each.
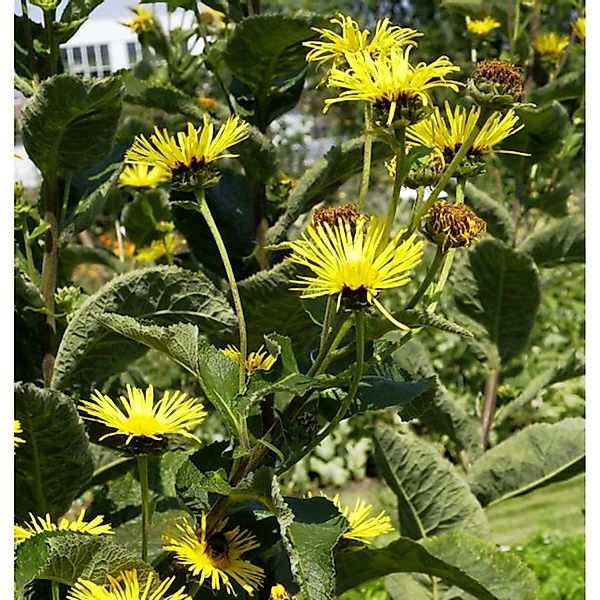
(398, 181)
(49, 25)
(29, 41)
(144, 488)
(489, 404)
(327, 320)
(366, 172)
(358, 371)
(429, 277)
(328, 344)
(235, 294)
(55, 590)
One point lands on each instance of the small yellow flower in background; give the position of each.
(17, 429)
(208, 102)
(187, 155)
(551, 44)
(482, 27)
(334, 47)
(453, 225)
(278, 592)
(355, 262)
(142, 176)
(143, 21)
(170, 245)
(446, 134)
(125, 587)
(142, 417)
(215, 17)
(579, 28)
(216, 555)
(41, 524)
(110, 243)
(390, 82)
(259, 360)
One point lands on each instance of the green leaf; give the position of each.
(263, 48)
(73, 255)
(78, 9)
(140, 216)
(69, 124)
(322, 179)
(164, 96)
(55, 460)
(562, 242)
(566, 87)
(88, 352)
(432, 496)
(30, 557)
(534, 457)
(572, 366)
(499, 289)
(310, 529)
(478, 567)
(257, 155)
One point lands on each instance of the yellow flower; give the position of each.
(390, 81)
(41, 524)
(259, 360)
(188, 154)
(143, 21)
(142, 176)
(215, 555)
(17, 429)
(142, 417)
(159, 248)
(355, 263)
(208, 102)
(334, 47)
(446, 135)
(278, 592)
(551, 44)
(482, 27)
(125, 587)
(579, 28)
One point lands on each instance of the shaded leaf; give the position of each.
(534, 457)
(566, 87)
(74, 255)
(432, 497)
(55, 461)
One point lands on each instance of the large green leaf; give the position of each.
(323, 178)
(560, 243)
(69, 124)
(572, 366)
(310, 529)
(55, 460)
(478, 567)
(264, 48)
(432, 496)
(73, 255)
(498, 288)
(532, 458)
(566, 87)
(89, 352)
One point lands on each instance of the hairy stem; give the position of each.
(366, 171)
(429, 277)
(489, 404)
(55, 590)
(398, 181)
(144, 488)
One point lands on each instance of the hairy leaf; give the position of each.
(476, 566)
(432, 497)
(532, 458)
(70, 122)
(55, 460)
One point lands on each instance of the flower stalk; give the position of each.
(398, 181)
(368, 149)
(144, 488)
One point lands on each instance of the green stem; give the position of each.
(237, 301)
(65, 198)
(29, 41)
(28, 252)
(368, 149)
(418, 201)
(328, 345)
(431, 273)
(119, 240)
(49, 25)
(398, 181)
(55, 590)
(194, 588)
(327, 320)
(344, 329)
(144, 487)
(454, 164)
(489, 404)
(359, 319)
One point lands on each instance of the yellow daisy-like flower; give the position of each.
(482, 27)
(334, 47)
(41, 524)
(446, 134)
(159, 248)
(125, 587)
(355, 262)
(259, 360)
(17, 429)
(142, 176)
(278, 592)
(362, 525)
(579, 28)
(143, 21)
(142, 417)
(551, 44)
(390, 80)
(216, 555)
(188, 153)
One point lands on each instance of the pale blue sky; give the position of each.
(107, 10)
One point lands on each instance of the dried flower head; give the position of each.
(348, 213)
(497, 83)
(453, 225)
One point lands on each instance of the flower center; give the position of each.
(143, 425)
